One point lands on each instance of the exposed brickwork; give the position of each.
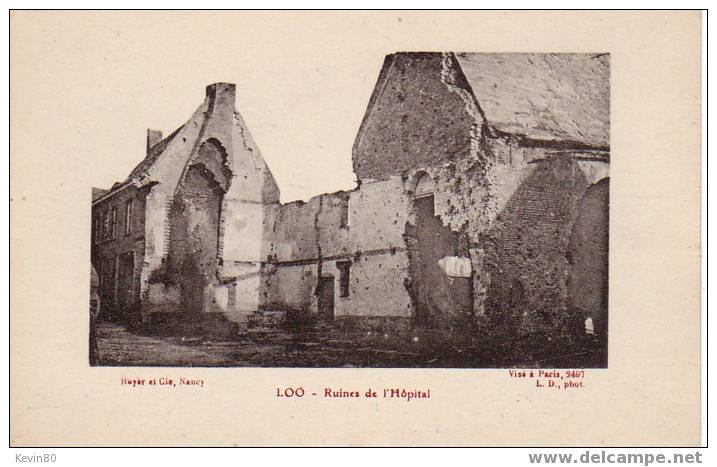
(415, 119)
(194, 237)
(525, 248)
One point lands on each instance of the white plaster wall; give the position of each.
(167, 170)
(377, 287)
(221, 297)
(292, 287)
(377, 215)
(245, 232)
(247, 298)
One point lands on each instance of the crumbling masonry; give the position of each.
(482, 190)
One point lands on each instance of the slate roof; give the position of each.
(543, 96)
(154, 153)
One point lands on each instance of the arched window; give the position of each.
(424, 186)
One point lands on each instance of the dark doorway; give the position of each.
(108, 309)
(438, 296)
(125, 282)
(588, 257)
(325, 295)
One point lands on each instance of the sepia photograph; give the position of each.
(475, 235)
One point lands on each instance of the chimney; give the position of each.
(153, 137)
(223, 94)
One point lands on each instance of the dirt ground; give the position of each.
(306, 347)
(324, 346)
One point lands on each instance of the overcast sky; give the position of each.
(303, 84)
(95, 81)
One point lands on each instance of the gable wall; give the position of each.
(417, 117)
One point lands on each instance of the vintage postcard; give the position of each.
(435, 220)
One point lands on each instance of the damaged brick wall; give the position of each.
(306, 237)
(161, 177)
(438, 297)
(421, 116)
(507, 208)
(363, 231)
(248, 219)
(588, 256)
(194, 228)
(378, 212)
(245, 219)
(509, 205)
(293, 270)
(417, 117)
(504, 204)
(525, 247)
(517, 208)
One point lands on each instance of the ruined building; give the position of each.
(482, 189)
